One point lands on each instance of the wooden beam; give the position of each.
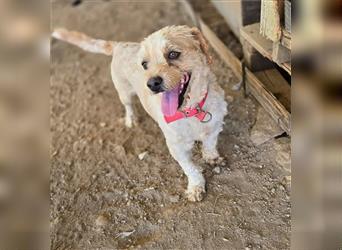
(270, 19)
(267, 100)
(225, 54)
(277, 85)
(280, 54)
(264, 46)
(286, 39)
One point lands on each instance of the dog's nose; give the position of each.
(155, 84)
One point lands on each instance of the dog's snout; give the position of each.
(155, 84)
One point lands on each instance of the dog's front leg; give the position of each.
(181, 152)
(209, 148)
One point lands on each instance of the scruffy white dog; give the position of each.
(170, 73)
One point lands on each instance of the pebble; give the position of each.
(174, 198)
(229, 98)
(217, 170)
(101, 221)
(103, 124)
(142, 155)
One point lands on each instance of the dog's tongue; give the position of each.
(169, 101)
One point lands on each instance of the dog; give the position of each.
(170, 73)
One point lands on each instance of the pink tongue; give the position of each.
(169, 101)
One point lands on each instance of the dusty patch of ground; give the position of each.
(104, 197)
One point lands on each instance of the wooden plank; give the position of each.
(264, 46)
(270, 19)
(277, 85)
(268, 101)
(226, 55)
(232, 13)
(287, 15)
(251, 34)
(190, 11)
(253, 59)
(280, 54)
(286, 39)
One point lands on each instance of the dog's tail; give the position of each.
(85, 42)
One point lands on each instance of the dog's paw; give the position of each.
(128, 122)
(210, 155)
(195, 193)
(214, 160)
(217, 161)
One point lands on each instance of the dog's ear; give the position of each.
(203, 43)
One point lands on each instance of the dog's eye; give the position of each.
(144, 64)
(173, 55)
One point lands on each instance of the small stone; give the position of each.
(261, 166)
(229, 98)
(217, 170)
(174, 198)
(79, 226)
(160, 221)
(142, 155)
(103, 124)
(101, 221)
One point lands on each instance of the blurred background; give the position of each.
(316, 124)
(24, 124)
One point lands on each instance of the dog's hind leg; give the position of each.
(181, 152)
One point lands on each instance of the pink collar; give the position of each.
(198, 112)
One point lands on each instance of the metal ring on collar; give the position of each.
(210, 117)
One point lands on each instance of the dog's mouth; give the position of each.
(174, 98)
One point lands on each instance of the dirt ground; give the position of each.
(104, 197)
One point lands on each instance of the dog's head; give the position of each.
(172, 59)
